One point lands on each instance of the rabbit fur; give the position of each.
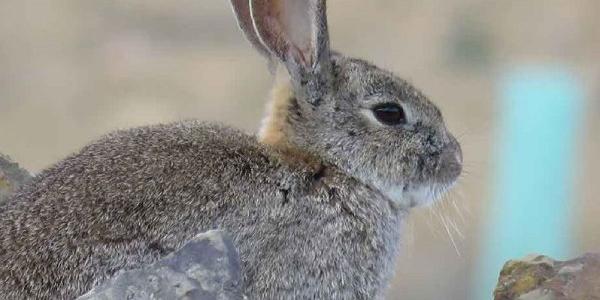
(314, 204)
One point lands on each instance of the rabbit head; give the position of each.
(366, 121)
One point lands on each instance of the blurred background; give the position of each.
(71, 71)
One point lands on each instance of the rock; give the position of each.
(207, 267)
(538, 277)
(11, 177)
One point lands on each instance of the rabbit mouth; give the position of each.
(415, 195)
(426, 194)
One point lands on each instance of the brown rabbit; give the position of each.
(315, 204)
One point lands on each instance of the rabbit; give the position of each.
(315, 204)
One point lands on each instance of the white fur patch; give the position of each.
(422, 195)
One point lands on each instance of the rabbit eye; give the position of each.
(389, 114)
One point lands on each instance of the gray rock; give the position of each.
(538, 277)
(207, 267)
(11, 177)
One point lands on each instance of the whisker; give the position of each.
(458, 211)
(450, 236)
(429, 221)
(456, 229)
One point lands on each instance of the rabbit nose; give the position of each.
(450, 162)
(458, 153)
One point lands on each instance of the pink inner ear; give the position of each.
(299, 27)
(286, 27)
(242, 12)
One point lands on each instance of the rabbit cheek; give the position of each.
(437, 174)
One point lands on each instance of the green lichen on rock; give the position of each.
(519, 277)
(11, 177)
(538, 277)
(4, 184)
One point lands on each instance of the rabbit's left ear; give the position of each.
(241, 8)
(295, 31)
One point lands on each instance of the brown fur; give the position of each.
(274, 131)
(273, 127)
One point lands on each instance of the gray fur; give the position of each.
(323, 228)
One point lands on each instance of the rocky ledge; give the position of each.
(538, 277)
(11, 177)
(206, 268)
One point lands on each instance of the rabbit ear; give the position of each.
(295, 31)
(241, 8)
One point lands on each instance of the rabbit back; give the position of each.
(134, 196)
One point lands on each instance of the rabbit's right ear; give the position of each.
(295, 32)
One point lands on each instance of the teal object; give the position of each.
(539, 112)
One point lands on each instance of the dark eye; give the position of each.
(389, 114)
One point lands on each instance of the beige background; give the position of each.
(72, 70)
